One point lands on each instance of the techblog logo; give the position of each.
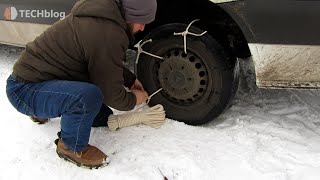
(11, 13)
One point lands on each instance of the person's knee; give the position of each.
(92, 97)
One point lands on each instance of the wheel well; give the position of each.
(213, 19)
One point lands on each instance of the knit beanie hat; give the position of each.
(139, 11)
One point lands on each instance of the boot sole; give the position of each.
(39, 122)
(69, 159)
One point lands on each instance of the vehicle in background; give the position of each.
(281, 36)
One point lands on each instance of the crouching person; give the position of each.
(74, 70)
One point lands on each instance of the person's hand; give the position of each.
(142, 96)
(137, 85)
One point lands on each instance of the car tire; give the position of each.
(197, 85)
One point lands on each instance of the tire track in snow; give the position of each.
(311, 98)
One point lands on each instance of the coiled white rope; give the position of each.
(153, 117)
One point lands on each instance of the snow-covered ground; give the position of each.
(266, 134)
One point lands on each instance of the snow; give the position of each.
(266, 134)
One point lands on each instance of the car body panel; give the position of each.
(286, 65)
(18, 33)
(21, 21)
(294, 22)
(282, 35)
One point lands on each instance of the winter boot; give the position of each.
(90, 157)
(39, 120)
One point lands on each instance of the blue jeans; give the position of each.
(79, 104)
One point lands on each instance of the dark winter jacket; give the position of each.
(88, 45)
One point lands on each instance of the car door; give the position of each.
(286, 42)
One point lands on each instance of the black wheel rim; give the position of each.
(182, 76)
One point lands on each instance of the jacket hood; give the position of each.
(107, 9)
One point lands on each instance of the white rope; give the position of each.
(140, 50)
(153, 117)
(149, 98)
(186, 32)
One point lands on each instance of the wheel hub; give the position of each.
(177, 79)
(182, 76)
